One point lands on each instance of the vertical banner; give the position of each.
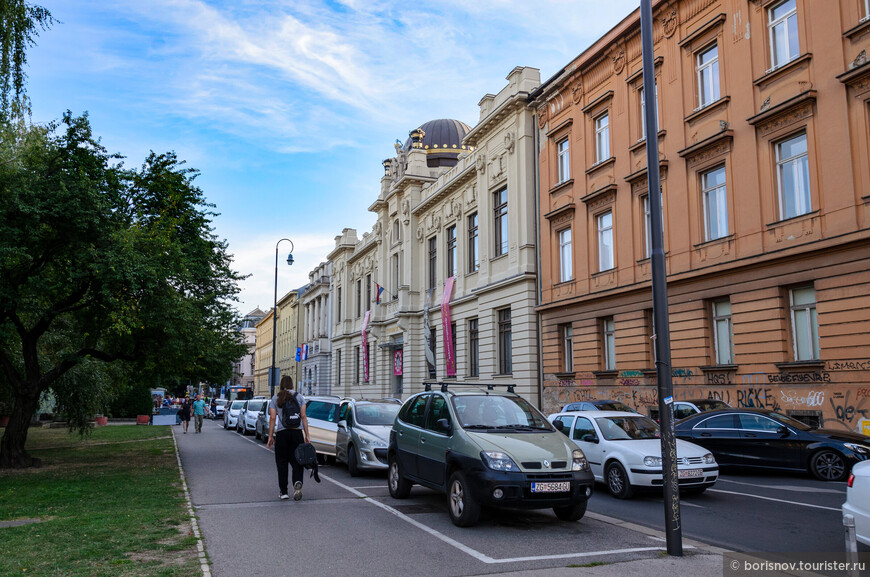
(398, 360)
(365, 346)
(447, 328)
(427, 334)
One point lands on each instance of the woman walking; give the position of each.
(184, 413)
(288, 428)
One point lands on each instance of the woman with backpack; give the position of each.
(288, 428)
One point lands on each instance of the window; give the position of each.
(473, 252)
(605, 241)
(609, 344)
(866, 11)
(715, 203)
(451, 251)
(647, 230)
(395, 269)
(782, 24)
(433, 261)
(437, 410)
(602, 138)
(566, 271)
(396, 231)
(722, 336)
(505, 364)
(758, 423)
(583, 427)
(338, 304)
(643, 112)
(416, 411)
(564, 161)
(793, 175)
(567, 335)
(338, 367)
(356, 353)
(368, 364)
(359, 298)
(500, 203)
(804, 324)
(368, 292)
(708, 76)
(473, 348)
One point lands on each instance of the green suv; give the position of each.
(483, 447)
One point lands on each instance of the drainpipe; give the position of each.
(538, 281)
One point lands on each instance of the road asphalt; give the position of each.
(351, 526)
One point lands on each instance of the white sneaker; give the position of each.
(283, 496)
(297, 490)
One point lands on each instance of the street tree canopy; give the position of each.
(107, 274)
(20, 23)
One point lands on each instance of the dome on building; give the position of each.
(442, 141)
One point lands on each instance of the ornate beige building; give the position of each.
(316, 375)
(456, 205)
(263, 355)
(290, 328)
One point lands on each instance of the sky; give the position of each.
(287, 108)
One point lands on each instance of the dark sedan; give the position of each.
(766, 439)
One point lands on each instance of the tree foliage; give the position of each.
(103, 264)
(20, 23)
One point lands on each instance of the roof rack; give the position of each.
(489, 386)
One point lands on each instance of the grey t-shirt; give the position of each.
(273, 404)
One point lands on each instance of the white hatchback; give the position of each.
(858, 500)
(247, 421)
(231, 414)
(624, 452)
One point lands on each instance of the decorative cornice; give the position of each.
(702, 29)
(515, 103)
(691, 153)
(594, 104)
(639, 74)
(771, 75)
(561, 214)
(596, 198)
(562, 126)
(785, 113)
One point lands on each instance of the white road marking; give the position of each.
(795, 488)
(384, 486)
(775, 500)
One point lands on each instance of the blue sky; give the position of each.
(288, 107)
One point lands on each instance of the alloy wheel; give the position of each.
(457, 499)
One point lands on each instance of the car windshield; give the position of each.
(791, 422)
(220, 402)
(377, 414)
(256, 406)
(627, 428)
(711, 405)
(498, 412)
(614, 406)
(237, 405)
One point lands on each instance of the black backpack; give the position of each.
(291, 413)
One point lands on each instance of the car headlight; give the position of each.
(860, 449)
(652, 461)
(498, 461)
(579, 462)
(369, 442)
(709, 459)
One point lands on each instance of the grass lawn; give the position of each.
(109, 505)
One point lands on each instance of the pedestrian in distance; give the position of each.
(198, 412)
(184, 414)
(288, 428)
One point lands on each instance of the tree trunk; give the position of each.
(12, 453)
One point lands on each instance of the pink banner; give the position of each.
(449, 353)
(365, 346)
(398, 360)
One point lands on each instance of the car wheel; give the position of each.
(573, 512)
(464, 510)
(617, 482)
(399, 487)
(828, 466)
(352, 466)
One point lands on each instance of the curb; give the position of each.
(203, 561)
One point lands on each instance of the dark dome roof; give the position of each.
(443, 141)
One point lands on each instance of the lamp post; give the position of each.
(272, 379)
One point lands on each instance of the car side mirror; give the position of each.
(560, 426)
(342, 424)
(783, 431)
(589, 438)
(443, 426)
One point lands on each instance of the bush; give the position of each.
(135, 400)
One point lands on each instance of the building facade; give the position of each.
(243, 369)
(454, 239)
(316, 377)
(263, 357)
(763, 109)
(290, 326)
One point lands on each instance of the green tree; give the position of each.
(107, 275)
(20, 23)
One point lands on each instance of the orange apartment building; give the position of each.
(764, 118)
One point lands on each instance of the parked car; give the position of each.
(247, 421)
(480, 448)
(599, 405)
(858, 500)
(625, 452)
(219, 408)
(765, 439)
(364, 433)
(322, 413)
(231, 415)
(687, 408)
(261, 429)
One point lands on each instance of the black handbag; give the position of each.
(306, 455)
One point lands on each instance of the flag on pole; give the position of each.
(305, 352)
(298, 354)
(380, 289)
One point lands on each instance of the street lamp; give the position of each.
(272, 382)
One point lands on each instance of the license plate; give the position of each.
(562, 487)
(685, 473)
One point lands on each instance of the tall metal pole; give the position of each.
(272, 382)
(661, 330)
